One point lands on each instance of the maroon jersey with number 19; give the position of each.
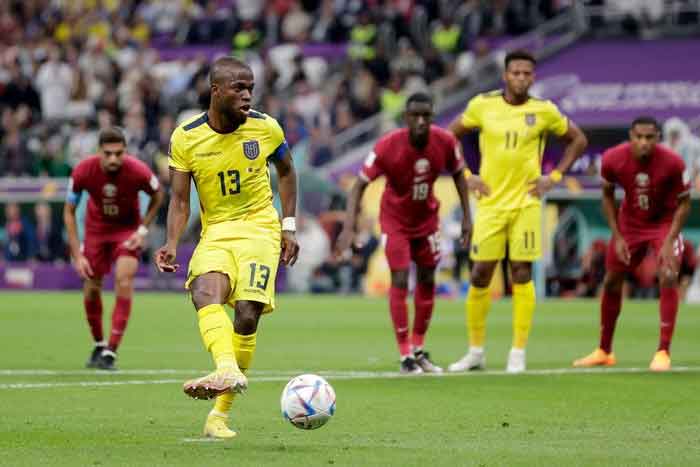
(113, 207)
(651, 189)
(408, 205)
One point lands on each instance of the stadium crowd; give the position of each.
(68, 69)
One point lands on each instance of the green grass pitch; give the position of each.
(54, 412)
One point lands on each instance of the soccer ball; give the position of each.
(308, 402)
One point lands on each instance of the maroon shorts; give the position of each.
(400, 250)
(639, 247)
(102, 251)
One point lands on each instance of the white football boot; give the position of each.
(473, 360)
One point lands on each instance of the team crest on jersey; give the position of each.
(251, 149)
(421, 166)
(109, 190)
(530, 119)
(642, 180)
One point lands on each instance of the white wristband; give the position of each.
(142, 230)
(289, 224)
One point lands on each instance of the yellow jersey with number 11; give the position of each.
(511, 141)
(230, 170)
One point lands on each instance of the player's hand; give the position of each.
(344, 242)
(135, 241)
(466, 236)
(164, 258)
(668, 257)
(622, 250)
(82, 267)
(541, 186)
(478, 186)
(290, 248)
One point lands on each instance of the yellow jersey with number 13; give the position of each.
(230, 170)
(511, 141)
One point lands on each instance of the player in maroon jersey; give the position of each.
(411, 160)
(655, 207)
(114, 233)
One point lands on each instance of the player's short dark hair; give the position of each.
(519, 54)
(222, 65)
(646, 120)
(111, 135)
(421, 97)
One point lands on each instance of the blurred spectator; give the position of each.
(445, 35)
(49, 234)
(16, 159)
(316, 246)
(55, 83)
(393, 98)
(20, 91)
(363, 37)
(19, 233)
(81, 143)
(678, 137)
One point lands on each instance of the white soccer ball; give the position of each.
(308, 402)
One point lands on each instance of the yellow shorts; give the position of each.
(247, 251)
(521, 228)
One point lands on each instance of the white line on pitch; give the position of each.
(349, 375)
(134, 372)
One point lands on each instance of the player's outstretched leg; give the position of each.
(610, 306)
(209, 291)
(244, 343)
(668, 311)
(477, 308)
(92, 301)
(424, 302)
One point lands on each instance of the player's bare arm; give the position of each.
(81, 264)
(347, 235)
(138, 238)
(668, 258)
(288, 196)
(463, 191)
(610, 212)
(576, 144)
(474, 182)
(178, 214)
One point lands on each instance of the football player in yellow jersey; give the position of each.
(513, 128)
(226, 151)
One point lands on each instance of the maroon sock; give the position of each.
(120, 318)
(668, 309)
(610, 307)
(93, 313)
(423, 299)
(399, 317)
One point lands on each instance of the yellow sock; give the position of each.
(477, 307)
(217, 333)
(244, 347)
(523, 309)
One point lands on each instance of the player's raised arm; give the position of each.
(178, 214)
(288, 196)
